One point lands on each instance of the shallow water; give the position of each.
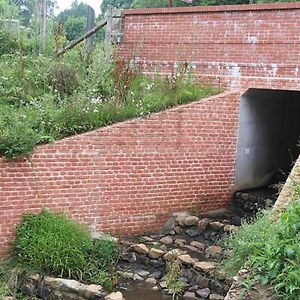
(142, 291)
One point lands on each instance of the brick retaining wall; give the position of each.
(127, 178)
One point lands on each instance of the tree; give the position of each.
(164, 3)
(77, 10)
(8, 10)
(29, 8)
(116, 4)
(74, 20)
(149, 3)
(74, 27)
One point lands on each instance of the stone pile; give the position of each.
(194, 242)
(250, 203)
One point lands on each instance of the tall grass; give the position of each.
(53, 244)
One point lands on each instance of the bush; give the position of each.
(55, 245)
(8, 42)
(252, 235)
(272, 250)
(17, 137)
(63, 79)
(17, 140)
(23, 78)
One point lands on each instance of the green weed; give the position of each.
(174, 283)
(271, 249)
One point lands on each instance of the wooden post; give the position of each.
(82, 38)
(90, 26)
(43, 18)
(109, 18)
(108, 33)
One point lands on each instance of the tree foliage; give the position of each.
(74, 20)
(164, 3)
(8, 10)
(29, 8)
(117, 4)
(77, 10)
(74, 27)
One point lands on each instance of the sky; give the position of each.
(63, 4)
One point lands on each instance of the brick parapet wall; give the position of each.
(212, 8)
(237, 46)
(127, 178)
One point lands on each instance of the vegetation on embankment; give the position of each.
(43, 99)
(270, 247)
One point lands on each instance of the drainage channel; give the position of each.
(197, 240)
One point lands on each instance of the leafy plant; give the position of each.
(251, 236)
(23, 79)
(174, 283)
(8, 42)
(63, 79)
(271, 249)
(52, 244)
(123, 75)
(42, 100)
(105, 253)
(17, 138)
(8, 10)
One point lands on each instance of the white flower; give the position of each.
(96, 100)
(149, 86)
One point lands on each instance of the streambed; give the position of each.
(143, 291)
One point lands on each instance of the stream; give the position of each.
(142, 291)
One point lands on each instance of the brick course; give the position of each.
(127, 178)
(237, 46)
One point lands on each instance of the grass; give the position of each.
(52, 244)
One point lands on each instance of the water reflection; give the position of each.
(142, 291)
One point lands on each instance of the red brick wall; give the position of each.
(128, 177)
(237, 46)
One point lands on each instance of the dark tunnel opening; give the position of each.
(268, 138)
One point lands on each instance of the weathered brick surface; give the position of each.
(237, 46)
(127, 178)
